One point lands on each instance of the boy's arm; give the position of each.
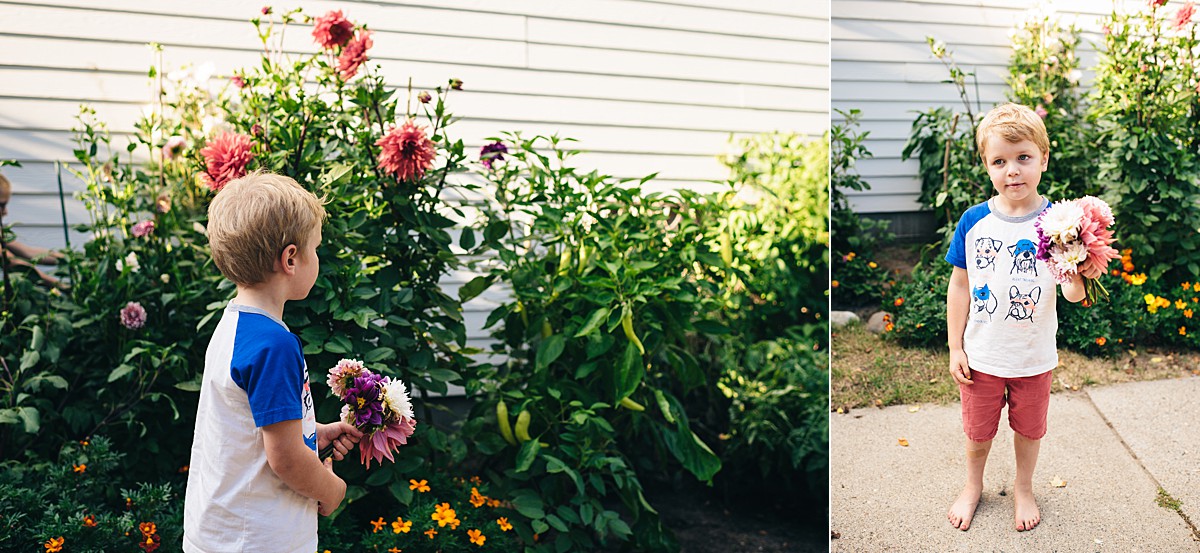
(40, 256)
(958, 305)
(1074, 291)
(299, 467)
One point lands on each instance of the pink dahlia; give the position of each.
(407, 152)
(225, 158)
(332, 30)
(1041, 112)
(1184, 15)
(354, 55)
(143, 228)
(343, 374)
(133, 315)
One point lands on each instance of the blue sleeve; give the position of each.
(957, 253)
(269, 365)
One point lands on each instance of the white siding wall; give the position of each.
(646, 86)
(881, 65)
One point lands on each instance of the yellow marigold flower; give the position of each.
(1138, 279)
(55, 544)
(1101, 341)
(872, 264)
(1149, 299)
(394, 549)
(504, 525)
(421, 486)
(898, 302)
(1183, 331)
(1196, 287)
(477, 537)
(477, 499)
(476, 480)
(890, 327)
(1187, 285)
(445, 515)
(1180, 304)
(80, 468)
(431, 533)
(401, 526)
(148, 528)
(1164, 302)
(378, 524)
(493, 503)
(833, 284)
(84, 442)
(1187, 313)
(89, 521)
(851, 255)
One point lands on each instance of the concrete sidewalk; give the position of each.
(1113, 446)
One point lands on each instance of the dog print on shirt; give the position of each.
(1024, 254)
(1022, 305)
(986, 250)
(984, 301)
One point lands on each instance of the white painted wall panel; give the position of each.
(645, 85)
(881, 65)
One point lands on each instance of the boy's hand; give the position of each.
(326, 508)
(958, 367)
(1093, 272)
(343, 436)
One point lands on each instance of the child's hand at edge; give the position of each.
(341, 434)
(958, 367)
(326, 509)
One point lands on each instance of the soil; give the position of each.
(703, 523)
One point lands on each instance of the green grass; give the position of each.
(1165, 501)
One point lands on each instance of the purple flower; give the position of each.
(365, 402)
(491, 153)
(143, 228)
(133, 315)
(456, 84)
(424, 97)
(174, 146)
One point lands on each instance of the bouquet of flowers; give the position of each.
(1074, 235)
(378, 406)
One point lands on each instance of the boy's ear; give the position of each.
(287, 259)
(1045, 160)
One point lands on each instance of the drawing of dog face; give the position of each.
(1024, 254)
(984, 300)
(986, 250)
(1023, 305)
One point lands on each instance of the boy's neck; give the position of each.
(263, 296)
(1009, 208)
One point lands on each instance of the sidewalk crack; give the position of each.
(1138, 460)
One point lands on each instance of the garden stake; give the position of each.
(62, 205)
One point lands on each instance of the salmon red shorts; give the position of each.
(1028, 399)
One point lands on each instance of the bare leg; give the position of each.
(1027, 514)
(963, 509)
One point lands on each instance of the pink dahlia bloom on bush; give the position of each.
(332, 30)
(143, 228)
(133, 316)
(354, 55)
(407, 152)
(1184, 15)
(225, 157)
(174, 147)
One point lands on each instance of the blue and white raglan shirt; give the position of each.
(254, 376)
(1012, 322)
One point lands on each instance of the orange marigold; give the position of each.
(421, 486)
(401, 526)
(476, 536)
(378, 524)
(1101, 341)
(898, 302)
(55, 544)
(503, 523)
(89, 521)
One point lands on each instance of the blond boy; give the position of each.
(1000, 309)
(255, 481)
(17, 254)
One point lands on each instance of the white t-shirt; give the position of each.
(254, 376)
(1012, 324)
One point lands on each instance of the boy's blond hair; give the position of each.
(5, 186)
(1013, 123)
(254, 218)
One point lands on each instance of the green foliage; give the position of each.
(1146, 112)
(605, 301)
(858, 281)
(952, 176)
(773, 234)
(779, 432)
(851, 233)
(79, 497)
(918, 306)
(1044, 75)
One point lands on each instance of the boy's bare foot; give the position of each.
(1027, 513)
(963, 509)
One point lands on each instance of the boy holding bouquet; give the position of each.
(1000, 309)
(255, 481)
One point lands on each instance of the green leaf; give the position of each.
(38, 339)
(338, 344)
(29, 359)
(549, 350)
(629, 373)
(597, 318)
(467, 239)
(539, 526)
(475, 287)
(529, 505)
(712, 328)
(379, 354)
(443, 375)
(31, 418)
(378, 478)
(556, 523)
(189, 386)
(527, 455)
(119, 372)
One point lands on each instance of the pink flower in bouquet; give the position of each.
(1073, 238)
(225, 157)
(378, 406)
(143, 228)
(332, 30)
(354, 55)
(174, 147)
(407, 152)
(1184, 15)
(133, 315)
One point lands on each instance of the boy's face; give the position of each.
(5, 196)
(1015, 168)
(307, 265)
